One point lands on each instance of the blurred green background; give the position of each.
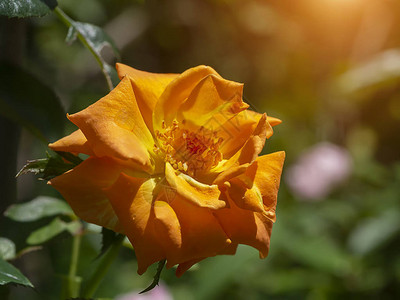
(330, 69)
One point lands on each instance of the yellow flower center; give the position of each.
(189, 151)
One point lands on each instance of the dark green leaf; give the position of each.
(96, 40)
(28, 102)
(156, 278)
(109, 237)
(26, 8)
(50, 167)
(38, 208)
(47, 232)
(10, 274)
(7, 249)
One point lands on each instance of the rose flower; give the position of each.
(173, 164)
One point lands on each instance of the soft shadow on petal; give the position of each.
(76, 142)
(244, 197)
(202, 234)
(82, 188)
(147, 87)
(114, 127)
(132, 200)
(236, 131)
(239, 162)
(199, 194)
(212, 101)
(246, 227)
(263, 178)
(176, 93)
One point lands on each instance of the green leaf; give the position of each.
(7, 249)
(96, 40)
(47, 232)
(380, 71)
(156, 278)
(373, 233)
(26, 8)
(51, 166)
(31, 104)
(38, 208)
(108, 238)
(10, 274)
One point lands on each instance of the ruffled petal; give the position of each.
(114, 127)
(76, 142)
(83, 186)
(132, 200)
(239, 162)
(176, 93)
(214, 99)
(236, 131)
(246, 227)
(201, 195)
(262, 178)
(250, 199)
(147, 87)
(202, 235)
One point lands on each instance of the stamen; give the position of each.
(187, 151)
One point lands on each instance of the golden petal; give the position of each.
(132, 200)
(263, 178)
(83, 186)
(176, 93)
(213, 99)
(202, 235)
(201, 195)
(147, 87)
(76, 142)
(247, 154)
(114, 127)
(246, 227)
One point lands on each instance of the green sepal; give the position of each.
(156, 277)
(52, 166)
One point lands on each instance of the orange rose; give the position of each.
(173, 164)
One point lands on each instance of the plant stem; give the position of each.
(71, 23)
(73, 282)
(102, 268)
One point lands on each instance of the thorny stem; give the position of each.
(70, 23)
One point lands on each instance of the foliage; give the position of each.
(328, 69)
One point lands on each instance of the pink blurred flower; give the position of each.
(160, 292)
(318, 170)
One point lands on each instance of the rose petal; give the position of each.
(246, 155)
(246, 227)
(132, 200)
(76, 142)
(202, 235)
(114, 127)
(176, 93)
(201, 195)
(213, 100)
(263, 178)
(82, 188)
(147, 87)
(250, 199)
